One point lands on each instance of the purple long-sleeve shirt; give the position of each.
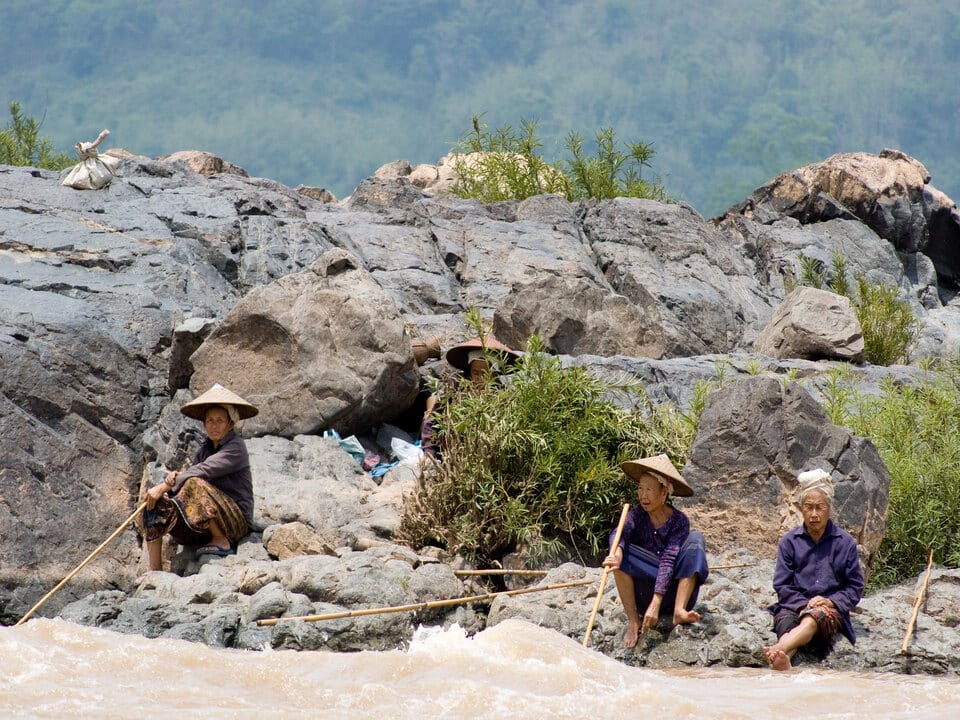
(226, 467)
(829, 568)
(665, 541)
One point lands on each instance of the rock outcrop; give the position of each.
(184, 271)
(813, 324)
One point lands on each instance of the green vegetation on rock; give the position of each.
(889, 325)
(507, 164)
(532, 461)
(916, 429)
(21, 144)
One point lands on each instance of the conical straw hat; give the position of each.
(661, 467)
(457, 355)
(218, 395)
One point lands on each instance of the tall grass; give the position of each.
(916, 429)
(21, 144)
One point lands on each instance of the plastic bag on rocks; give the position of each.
(94, 171)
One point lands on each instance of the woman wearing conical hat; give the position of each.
(472, 359)
(659, 564)
(209, 504)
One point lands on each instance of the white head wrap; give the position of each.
(231, 411)
(815, 480)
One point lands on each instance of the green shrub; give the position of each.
(916, 429)
(611, 172)
(21, 144)
(889, 325)
(534, 461)
(505, 164)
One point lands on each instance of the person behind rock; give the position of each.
(211, 502)
(659, 564)
(817, 578)
(470, 358)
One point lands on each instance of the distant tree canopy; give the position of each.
(322, 92)
(21, 144)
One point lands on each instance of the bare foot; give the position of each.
(777, 658)
(685, 617)
(630, 637)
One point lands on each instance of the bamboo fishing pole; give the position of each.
(916, 605)
(501, 571)
(498, 571)
(606, 571)
(421, 606)
(79, 567)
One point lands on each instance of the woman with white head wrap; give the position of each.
(818, 579)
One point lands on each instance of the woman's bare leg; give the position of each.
(217, 537)
(629, 599)
(779, 655)
(155, 554)
(682, 616)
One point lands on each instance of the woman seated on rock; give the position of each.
(470, 358)
(660, 563)
(817, 578)
(211, 502)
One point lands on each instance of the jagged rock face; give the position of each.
(666, 258)
(813, 324)
(755, 436)
(889, 192)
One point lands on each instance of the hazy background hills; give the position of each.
(322, 92)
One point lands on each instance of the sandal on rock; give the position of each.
(215, 550)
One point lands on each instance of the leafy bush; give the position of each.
(533, 461)
(611, 172)
(505, 164)
(889, 325)
(916, 429)
(21, 144)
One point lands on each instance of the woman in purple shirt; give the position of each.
(209, 504)
(817, 578)
(659, 564)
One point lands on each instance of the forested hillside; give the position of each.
(322, 92)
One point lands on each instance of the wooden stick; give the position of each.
(498, 571)
(79, 567)
(916, 606)
(606, 571)
(420, 606)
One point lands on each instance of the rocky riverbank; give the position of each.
(117, 305)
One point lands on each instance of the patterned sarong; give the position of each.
(187, 516)
(828, 620)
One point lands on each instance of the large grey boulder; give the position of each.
(813, 324)
(575, 316)
(312, 480)
(755, 436)
(322, 348)
(667, 260)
